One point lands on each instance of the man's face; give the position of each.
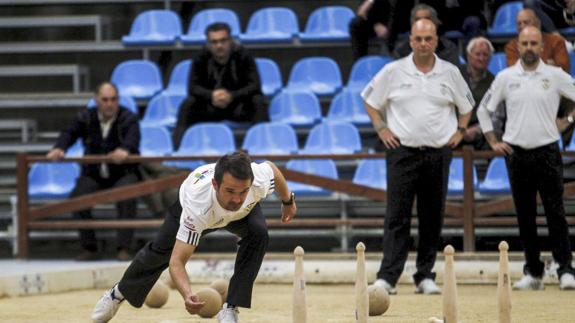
(220, 44)
(423, 38)
(232, 192)
(530, 45)
(525, 18)
(479, 56)
(107, 100)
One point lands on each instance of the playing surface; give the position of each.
(326, 303)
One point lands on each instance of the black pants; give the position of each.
(126, 209)
(194, 110)
(414, 172)
(154, 258)
(540, 170)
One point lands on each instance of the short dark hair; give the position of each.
(101, 85)
(424, 7)
(238, 164)
(218, 26)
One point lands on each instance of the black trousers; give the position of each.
(411, 173)
(540, 170)
(154, 257)
(126, 209)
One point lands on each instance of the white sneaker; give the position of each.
(528, 282)
(384, 284)
(106, 307)
(427, 287)
(228, 315)
(567, 282)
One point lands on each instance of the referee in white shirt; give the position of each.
(532, 90)
(418, 95)
(222, 195)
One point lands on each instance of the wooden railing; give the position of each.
(467, 213)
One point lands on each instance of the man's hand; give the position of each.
(55, 154)
(389, 139)
(118, 155)
(455, 139)
(380, 30)
(221, 98)
(364, 8)
(193, 304)
(502, 147)
(288, 212)
(570, 6)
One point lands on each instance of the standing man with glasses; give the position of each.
(224, 84)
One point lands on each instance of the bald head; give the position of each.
(527, 17)
(422, 25)
(530, 46)
(423, 39)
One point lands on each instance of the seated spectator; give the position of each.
(113, 131)
(478, 78)
(380, 20)
(554, 14)
(446, 49)
(461, 15)
(224, 84)
(554, 50)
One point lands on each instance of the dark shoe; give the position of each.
(88, 256)
(123, 255)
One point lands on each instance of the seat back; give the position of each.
(206, 17)
(372, 173)
(272, 23)
(328, 23)
(52, 180)
(455, 182)
(348, 106)
(139, 79)
(270, 76)
(158, 25)
(318, 167)
(295, 108)
(333, 138)
(364, 70)
(321, 75)
(504, 24)
(496, 179)
(179, 78)
(270, 138)
(155, 141)
(204, 139)
(163, 110)
(497, 63)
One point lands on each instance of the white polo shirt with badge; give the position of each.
(420, 107)
(200, 208)
(532, 101)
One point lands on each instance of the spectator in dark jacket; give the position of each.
(224, 84)
(108, 130)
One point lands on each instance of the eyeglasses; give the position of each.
(219, 41)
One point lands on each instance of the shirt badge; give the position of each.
(545, 83)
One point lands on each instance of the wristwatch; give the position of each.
(570, 119)
(462, 130)
(290, 201)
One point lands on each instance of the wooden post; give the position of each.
(468, 201)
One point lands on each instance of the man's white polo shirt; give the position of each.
(420, 108)
(532, 101)
(200, 208)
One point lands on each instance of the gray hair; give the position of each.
(423, 7)
(479, 40)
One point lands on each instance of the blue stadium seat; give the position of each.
(567, 32)
(272, 25)
(76, 150)
(348, 106)
(163, 111)
(318, 167)
(156, 141)
(270, 76)
(270, 138)
(321, 75)
(154, 27)
(179, 78)
(364, 70)
(504, 24)
(204, 139)
(372, 173)
(496, 180)
(52, 180)
(572, 59)
(299, 109)
(329, 23)
(333, 138)
(204, 18)
(455, 182)
(497, 63)
(139, 79)
(125, 101)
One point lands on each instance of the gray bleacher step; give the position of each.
(99, 23)
(44, 100)
(79, 73)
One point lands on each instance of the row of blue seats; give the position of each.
(273, 24)
(142, 79)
